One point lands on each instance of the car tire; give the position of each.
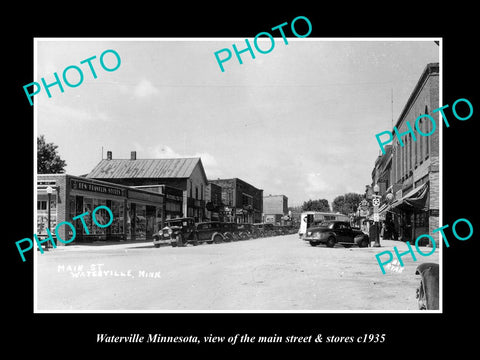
(180, 242)
(331, 242)
(364, 243)
(156, 245)
(217, 239)
(313, 243)
(174, 244)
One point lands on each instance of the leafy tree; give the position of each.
(347, 203)
(316, 205)
(48, 161)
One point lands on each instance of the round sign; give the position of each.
(376, 202)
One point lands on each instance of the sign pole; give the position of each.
(376, 219)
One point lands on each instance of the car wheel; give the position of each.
(180, 240)
(313, 243)
(157, 245)
(364, 243)
(195, 241)
(174, 244)
(331, 242)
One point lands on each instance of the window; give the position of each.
(196, 192)
(191, 187)
(427, 139)
(41, 205)
(411, 143)
(420, 143)
(416, 154)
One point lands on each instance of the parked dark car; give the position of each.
(210, 232)
(428, 291)
(269, 229)
(336, 232)
(230, 231)
(246, 231)
(177, 232)
(259, 229)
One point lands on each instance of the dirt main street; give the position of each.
(278, 273)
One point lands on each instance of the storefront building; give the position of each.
(185, 174)
(414, 174)
(242, 202)
(275, 209)
(137, 213)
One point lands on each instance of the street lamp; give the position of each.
(376, 190)
(49, 193)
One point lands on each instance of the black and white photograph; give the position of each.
(220, 179)
(228, 186)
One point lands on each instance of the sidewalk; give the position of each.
(401, 244)
(100, 245)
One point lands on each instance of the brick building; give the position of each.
(137, 213)
(185, 174)
(413, 177)
(213, 205)
(242, 202)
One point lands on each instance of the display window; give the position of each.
(140, 222)
(42, 215)
(117, 211)
(88, 207)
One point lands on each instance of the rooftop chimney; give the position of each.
(109, 155)
(133, 155)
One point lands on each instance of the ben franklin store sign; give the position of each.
(86, 186)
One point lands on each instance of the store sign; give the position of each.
(86, 186)
(174, 197)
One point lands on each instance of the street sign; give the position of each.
(376, 201)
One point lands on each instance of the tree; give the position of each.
(316, 205)
(48, 161)
(347, 204)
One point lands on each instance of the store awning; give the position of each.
(416, 198)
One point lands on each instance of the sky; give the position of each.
(299, 121)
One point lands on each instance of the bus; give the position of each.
(313, 218)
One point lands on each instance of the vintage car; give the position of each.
(427, 291)
(336, 232)
(177, 232)
(246, 231)
(210, 232)
(264, 229)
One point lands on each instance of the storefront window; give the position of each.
(141, 222)
(421, 219)
(88, 207)
(101, 216)
(117, 211)
(158, 219)
(129, 213)
(42, 215)
(71, 207)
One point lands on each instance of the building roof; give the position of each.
(145, 168)
(234, 180)
(430, 69)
